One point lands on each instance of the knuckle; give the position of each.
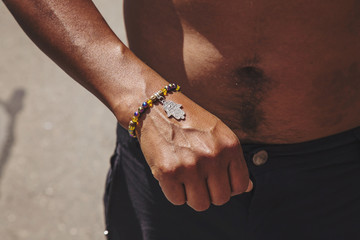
(176, 171)
(191, 164)
(157, 175)
(163, 172)
(233, 143)
(226, 146)
(212, 153)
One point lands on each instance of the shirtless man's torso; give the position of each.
(273, 71)
(269, 88)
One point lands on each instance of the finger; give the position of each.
(197, 194)
(219, 187)
(239, 176)
(174, 192)
(250, 186)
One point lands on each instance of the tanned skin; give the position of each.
(251, 71)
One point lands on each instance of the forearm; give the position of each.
(74, 34)
(198, 161)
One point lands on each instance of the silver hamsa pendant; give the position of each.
(173, 109)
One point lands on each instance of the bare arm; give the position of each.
(74, 34)
(198, 160)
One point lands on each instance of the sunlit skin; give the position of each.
(296, 63)
(250, 71)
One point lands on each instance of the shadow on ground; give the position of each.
(13, 107)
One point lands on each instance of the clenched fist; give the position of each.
(198, 160)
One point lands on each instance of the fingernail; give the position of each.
(250, 186)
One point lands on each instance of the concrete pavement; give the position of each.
(55, 142)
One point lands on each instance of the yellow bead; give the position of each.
(164, 91)
(150, 103)
(135, 119)
(178, 88)
(132, 128)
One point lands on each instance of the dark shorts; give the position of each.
(303, 191)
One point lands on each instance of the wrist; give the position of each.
(136, 83)
(172, 109)
(156, 122)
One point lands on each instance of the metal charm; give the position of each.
(171, 108)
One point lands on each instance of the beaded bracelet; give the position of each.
(171, 108)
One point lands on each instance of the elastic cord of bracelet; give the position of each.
(148, 104)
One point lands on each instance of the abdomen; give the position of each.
(275, 71)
